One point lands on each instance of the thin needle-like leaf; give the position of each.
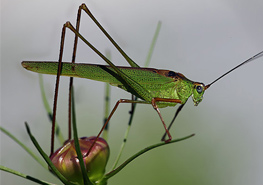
(48, 109)
(150, 52)
(3, 168)
(115, 171)
(107, 104)
(76, 142)
(46, 158)
(29, 151)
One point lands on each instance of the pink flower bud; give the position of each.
(66, 161)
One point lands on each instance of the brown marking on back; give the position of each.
(171, 74)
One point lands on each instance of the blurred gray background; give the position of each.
(201, 39)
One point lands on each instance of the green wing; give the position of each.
(99, 72)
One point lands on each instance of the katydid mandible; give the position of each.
(160, 88)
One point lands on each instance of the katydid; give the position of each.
(160, 88)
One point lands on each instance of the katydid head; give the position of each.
(197, 93)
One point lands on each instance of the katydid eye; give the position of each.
(199, 88)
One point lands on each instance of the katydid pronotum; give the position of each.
(160, 88)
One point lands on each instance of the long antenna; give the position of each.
(260, 54)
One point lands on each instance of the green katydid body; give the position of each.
(160, 88)
(158, 83)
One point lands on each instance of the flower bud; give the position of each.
(66, 161)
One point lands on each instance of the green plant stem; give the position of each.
(115, 171)
(30, 152)
(59, 134)
(150, 52)
(125, 136)
(107, 104)
(106, 114)
(3, 168)
(76, 142)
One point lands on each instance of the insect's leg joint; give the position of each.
(154, 104)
